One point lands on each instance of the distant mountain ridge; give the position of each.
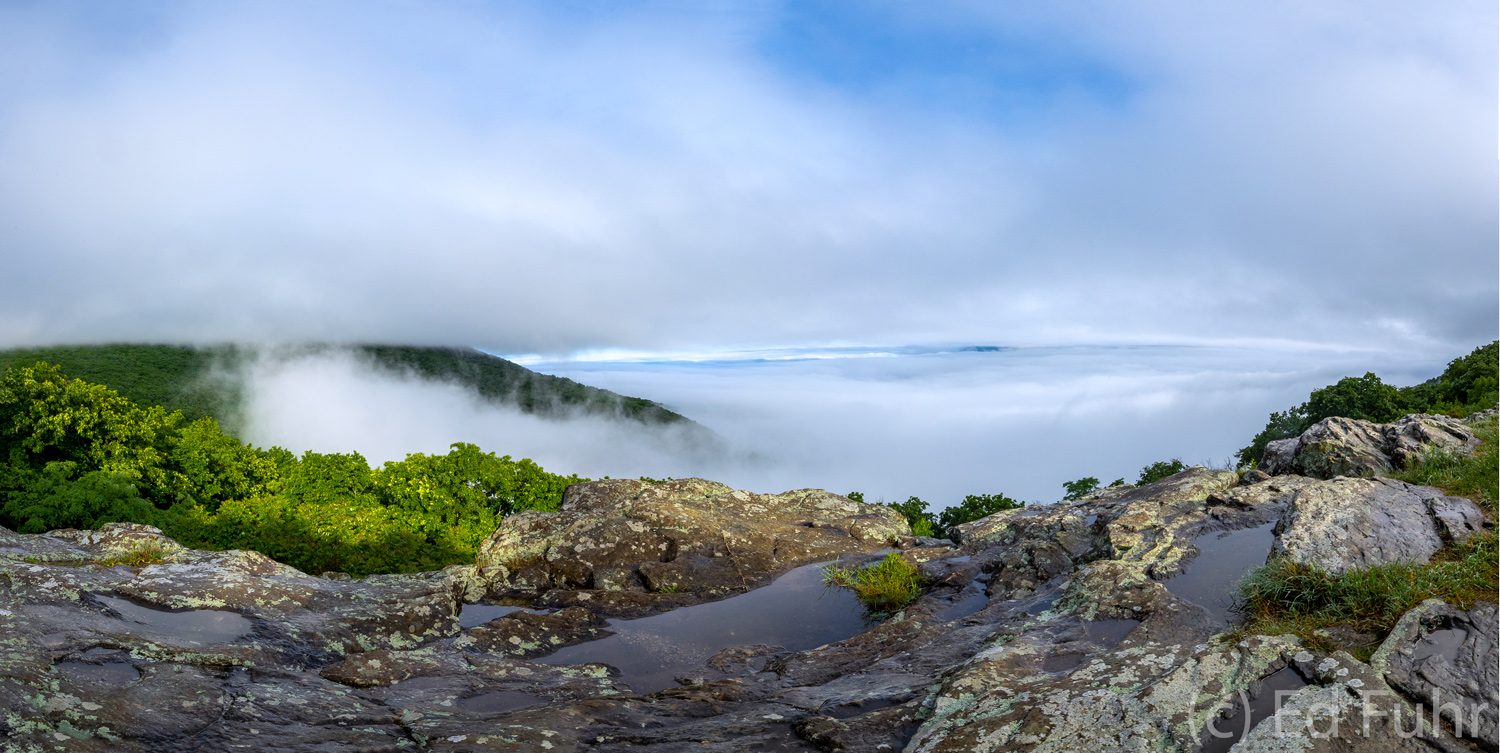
(204, 381)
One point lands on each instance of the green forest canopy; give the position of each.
(74, 454)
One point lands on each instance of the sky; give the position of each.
(619, 190)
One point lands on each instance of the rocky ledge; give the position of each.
(1092, 625)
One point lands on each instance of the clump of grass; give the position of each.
(149, 553)
(1290, 597)
(884, 588)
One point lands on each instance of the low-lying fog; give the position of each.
(891, 423)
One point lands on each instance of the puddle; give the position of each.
(965, 602)
(1041, 606)
(1221, 733)
(112, 675)
(795, 612)
(203, 625)
(1444, 643)
(498, 701)
(1062, 662)
(474, 615)
(850, 710)
(1108, 633)
(1210, 578)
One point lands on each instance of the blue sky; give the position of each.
(1311, 186)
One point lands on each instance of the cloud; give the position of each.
(547, 178)
(937, 424)
(331, 401)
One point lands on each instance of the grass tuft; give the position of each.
(884, 588)
(149, 553)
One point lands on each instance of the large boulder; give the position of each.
(683, 536)
(1352, 447)
(1347, 523)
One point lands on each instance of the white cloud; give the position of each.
(531, 179)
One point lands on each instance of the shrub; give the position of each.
(1160, 470)
(974, 507)
(61, 497)
(884, 588)
(915, 512)
(1079, 489)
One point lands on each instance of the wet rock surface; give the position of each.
(1055, 628)
(1447, 660)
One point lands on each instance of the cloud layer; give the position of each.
(547, 178)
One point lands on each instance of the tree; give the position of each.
(915, 512)
(1080, 488)
(1365, 398)
(60, 497)
(1160, 470)
(974, 507)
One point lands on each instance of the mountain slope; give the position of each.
(208, 381)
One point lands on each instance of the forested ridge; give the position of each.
(205, 381)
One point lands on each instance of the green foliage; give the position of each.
(1081, 488)
(1469, 384)
(856, 496)
(1160, 470)
(1365, 398)
(1472, 380)
(1118, 482)
(74, 454)
(884, 588)
(915, 512)
(1286, 596)
(179, 378)
(974, 507)
(61, 497)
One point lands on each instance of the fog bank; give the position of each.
(888, 422)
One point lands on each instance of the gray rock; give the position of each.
(1410, 436)
(1448, 659)
(1338, 447)
(1346, 523)
(1047, 629)
(1351, 447)
(685, 536)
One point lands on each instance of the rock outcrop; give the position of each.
(1355, 522)
(1059, 627)
(1351, 447)
(659, 542)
